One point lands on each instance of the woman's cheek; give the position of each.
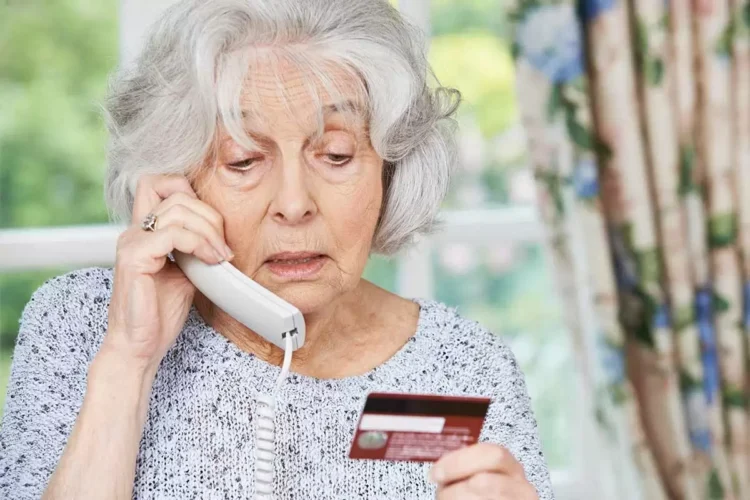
(359, 209)
(228, 194)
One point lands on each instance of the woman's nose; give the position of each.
(293, 202)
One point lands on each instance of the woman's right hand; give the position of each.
(150, 301)
(151, 297)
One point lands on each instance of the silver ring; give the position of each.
(149, 222)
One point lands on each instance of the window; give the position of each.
(502, 283)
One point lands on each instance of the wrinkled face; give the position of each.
(299, 211)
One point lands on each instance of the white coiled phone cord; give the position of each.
(265, 440)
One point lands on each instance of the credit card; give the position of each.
(417, 427)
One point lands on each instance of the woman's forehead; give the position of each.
(279, 88)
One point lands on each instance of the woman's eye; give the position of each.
(338, 160)
(245, 164)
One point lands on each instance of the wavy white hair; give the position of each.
(164, 111)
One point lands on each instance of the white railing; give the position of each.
(60, 247)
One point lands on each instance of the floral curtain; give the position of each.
(638, 121)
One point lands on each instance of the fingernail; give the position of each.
(228, 252)
(219, 256)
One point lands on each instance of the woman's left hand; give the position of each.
(481, 471)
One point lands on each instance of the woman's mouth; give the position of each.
(296, 265)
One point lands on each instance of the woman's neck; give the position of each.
(347, 337)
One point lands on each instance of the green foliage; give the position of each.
(687, 169)
(481, 67)
(688, 383)
(654, 70)
(734, 398)
(517, 14)
(618, 394)
(15, 292)
(715, 488)
(582, 137)
(4, 374)
(723, 45)
(720, 304)
(642, 332)
(683, 317)
(722, 230)
(640, 47)
(54, 59)
(651, 66)
(554, 185)
(637, 311)
(603, 152)
(648, 263)
(555, 101)
(450, 16)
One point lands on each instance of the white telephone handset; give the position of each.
(269, 316)
(263, 312)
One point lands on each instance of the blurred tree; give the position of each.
(54, 60)
(465, 16)
(480, 65)
(469, 51)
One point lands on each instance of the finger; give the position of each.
(487, 482)
(456, 491)
(146, 253)
(486, 486)
(466, 462)
(200, 207)
(184, 217)
(152, 189)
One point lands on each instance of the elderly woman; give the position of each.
(292, 138)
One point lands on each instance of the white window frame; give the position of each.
(86, 245)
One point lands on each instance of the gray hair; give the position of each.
(163, 112)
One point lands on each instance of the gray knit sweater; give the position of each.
(198, 442)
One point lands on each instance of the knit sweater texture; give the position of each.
(199, 438)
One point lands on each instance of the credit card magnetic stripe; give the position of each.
(378, 404)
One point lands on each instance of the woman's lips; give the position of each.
(296, 266)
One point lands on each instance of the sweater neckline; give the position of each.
(238, 366)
